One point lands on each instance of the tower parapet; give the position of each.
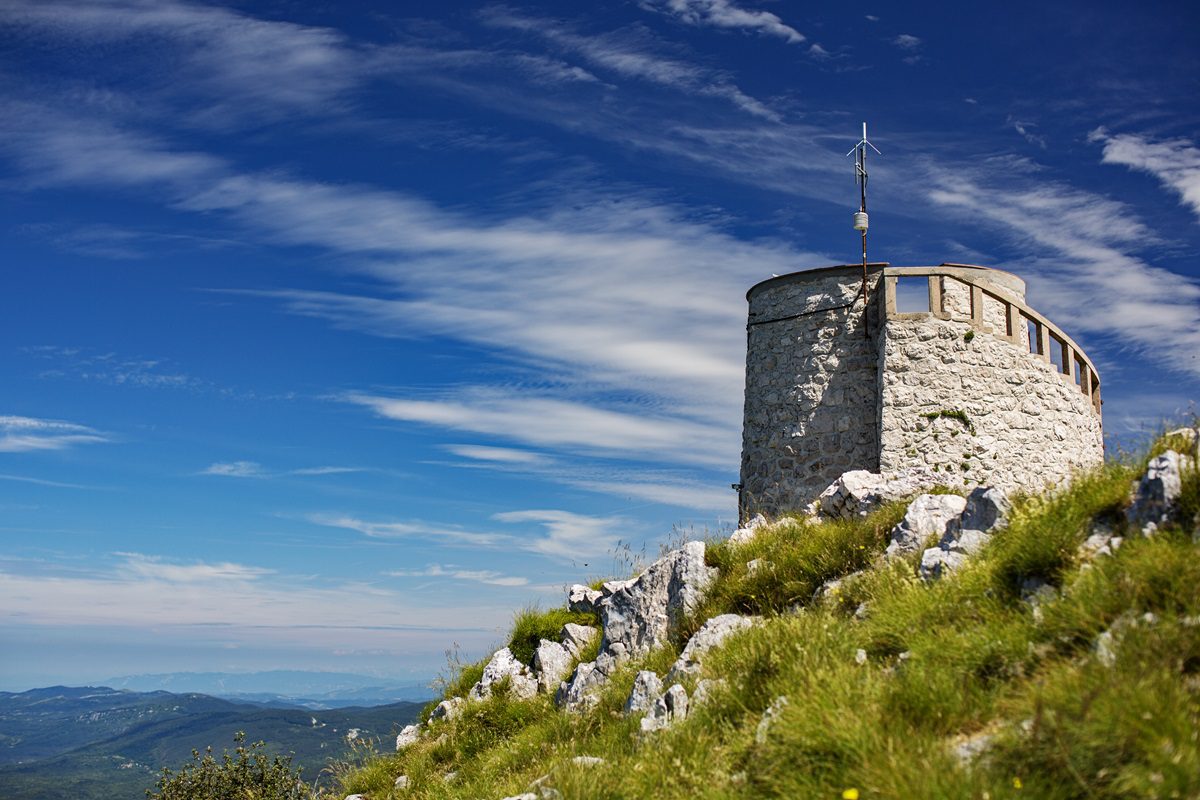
(974, 386)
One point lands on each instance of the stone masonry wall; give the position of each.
(1030, 425)
(812, 391)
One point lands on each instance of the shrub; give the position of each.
(246, 774)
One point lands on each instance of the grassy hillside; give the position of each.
(1034, 671)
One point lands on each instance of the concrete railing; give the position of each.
(1022, 326)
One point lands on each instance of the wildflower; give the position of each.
(850, 794)
(1016, 783)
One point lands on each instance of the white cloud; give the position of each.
(158, 568)
(147, 591)
(236, 469)
(724, 14)
(486, 576)
(627, 55)
(241, 67)
(907, 41)
(551, 422)
(501, 455)
(24, 434)
(1175, 162)
(569, 535)
(410, 530)
(325, 470)
(1025, 129)
(1079, 252)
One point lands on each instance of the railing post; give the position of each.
(1014, 322)
(889, 296)
(1043, 341)
(935, 294)
(976, 305)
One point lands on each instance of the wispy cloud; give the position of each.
(569, 535)
(1174, 162)
(24, 434)
(252, 469)
(237, 67)
(911, 45)
(1026, 131)
(235, 469)
(139, 591)
(486, 576)
(1081, 248)
(410, 529)
(552, 422)
(628, 54)
(501, 455)
(724, 14)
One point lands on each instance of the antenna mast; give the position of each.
(860, 216)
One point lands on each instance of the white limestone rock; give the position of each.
(768, 719)
(968, 542)
(587, 761)
(448, 709)
(749, 530)
(401, 782)
(927, 515)
(521, 682)
(987, 510)
(936, 563)
(647, 688)
(408, 736)
(551, 662)
(668, 709)
(577, 638)
(968, 749)
(711, 633)
(1155, 496)
(583, 599)
(859, 492)
(640, 613)
(579, 693)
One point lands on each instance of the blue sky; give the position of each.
(331, 334)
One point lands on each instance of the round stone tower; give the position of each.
(966, 382)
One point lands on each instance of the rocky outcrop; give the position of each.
(551, 663)
(408, 736)
(503, 666)
(448, 709)
(927, 515)
(749, 530)
(638, 614)
(647, 688)
(583, 599)
(1155, 497)
(859, 492)
(711, 633)
(669, 708)
(985, 511)
(577, 638)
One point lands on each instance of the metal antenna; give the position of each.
(860, 216)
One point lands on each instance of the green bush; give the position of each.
(249, 773)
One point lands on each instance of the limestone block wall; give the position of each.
(812, 391)
(1022, 424)
(979, 388)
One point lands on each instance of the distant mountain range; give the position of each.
(313, 690)
(94, 743)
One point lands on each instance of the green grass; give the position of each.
(532, 625)
(946, 661)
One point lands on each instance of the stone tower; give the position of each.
(974, 386)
